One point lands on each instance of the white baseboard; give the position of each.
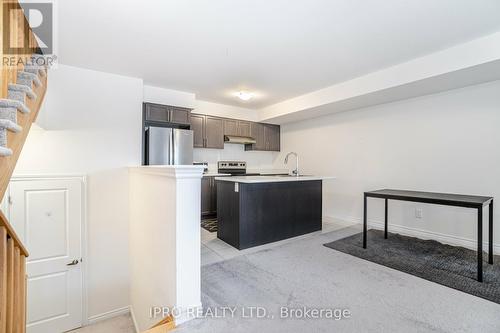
(108, 315)
(409, 231)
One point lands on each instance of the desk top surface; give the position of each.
(431, 196)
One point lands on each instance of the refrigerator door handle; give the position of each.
(171, 157)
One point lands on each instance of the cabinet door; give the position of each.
(156, 112)
(197, 126)
(214, 197)
(272, 137)
(230, 127)
(206, 195)
(257, 132)
(179, 115)
(214, 132)
(244, 128)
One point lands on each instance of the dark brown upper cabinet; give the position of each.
(230, 127)
(167, 114)
(198, 128)
(267, 137)
(272, 137)
(236, 127)
(244, 128)
(214, 132)
(208, 131)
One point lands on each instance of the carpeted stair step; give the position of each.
(22, 88)
(28, 79)
(10, 125)
(11, 103)
(5, 151)
(6, 125)
(9, 113)
(35, 70)
(38, 62)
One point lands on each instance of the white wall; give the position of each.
(97, 121)
(169, 97)
(446, 142)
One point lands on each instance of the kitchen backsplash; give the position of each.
(235, 152)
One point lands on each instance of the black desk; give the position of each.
(468, 201)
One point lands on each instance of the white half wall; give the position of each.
(94, 120)
(446, 142)
(164, 242)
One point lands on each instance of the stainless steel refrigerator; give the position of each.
(168, 146)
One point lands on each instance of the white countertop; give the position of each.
(271, 179)
(215, 174)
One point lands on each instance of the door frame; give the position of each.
(83, 244)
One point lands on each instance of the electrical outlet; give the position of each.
(418, 213)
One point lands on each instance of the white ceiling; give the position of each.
(278, 49)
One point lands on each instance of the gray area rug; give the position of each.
(303, 272)
(451, 266)
(209, 224)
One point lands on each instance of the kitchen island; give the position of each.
(256, 210)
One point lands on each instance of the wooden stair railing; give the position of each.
(13, 282)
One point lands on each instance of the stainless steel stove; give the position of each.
(234, 168)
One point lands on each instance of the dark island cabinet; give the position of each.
(208, 131)
(261, 213)
(167, 114)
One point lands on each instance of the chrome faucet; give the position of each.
(296, 171)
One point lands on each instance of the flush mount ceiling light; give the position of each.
(244, 95)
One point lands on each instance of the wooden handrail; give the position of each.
(12, 234)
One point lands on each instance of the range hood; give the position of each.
(239, 139)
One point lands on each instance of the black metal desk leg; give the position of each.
(365, 226)
(480, 244)
(490, 259)
(386, 213)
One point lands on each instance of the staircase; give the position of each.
(22, 89)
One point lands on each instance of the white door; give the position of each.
(47, 215)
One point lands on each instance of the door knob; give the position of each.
(74, 262)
